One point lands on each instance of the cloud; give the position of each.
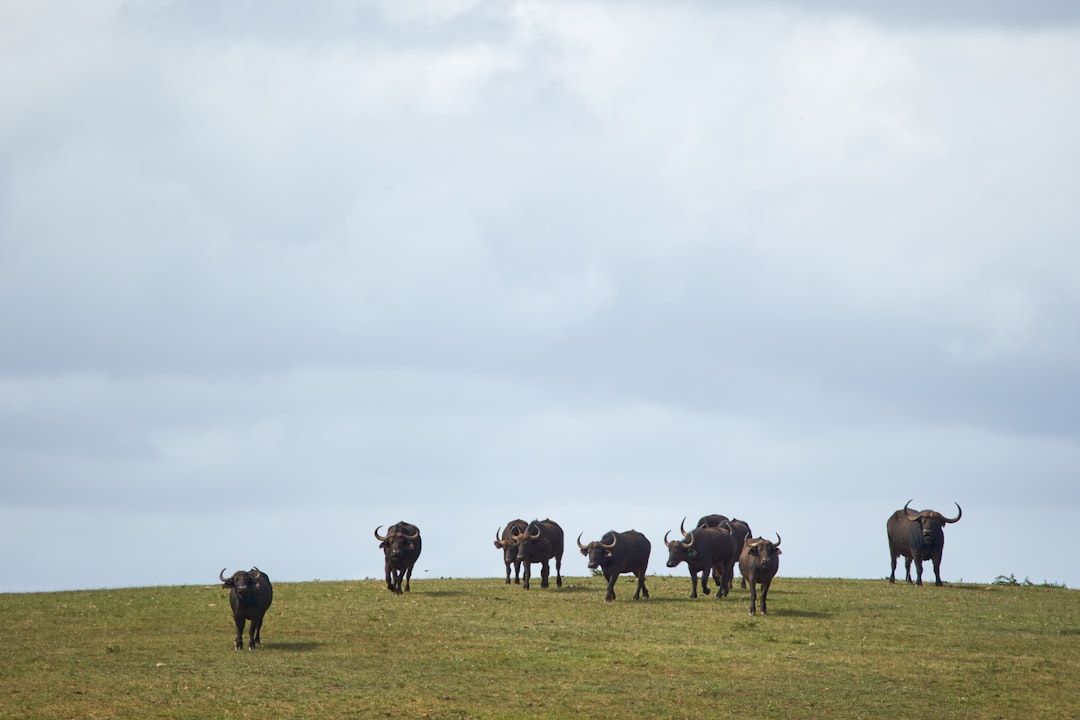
(386, 261)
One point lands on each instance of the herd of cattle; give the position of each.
(712, 549)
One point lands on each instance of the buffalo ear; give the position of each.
(228, 583)
(384, 544)
(585, 551)
(777, 551)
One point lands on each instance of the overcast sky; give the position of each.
(275, 273)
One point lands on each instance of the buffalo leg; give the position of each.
(558, 571)
(525, 575)
(507, 573)
(918, 572)
(765, 594)
(641, 589)
(408, 577)
(253, 632)
(545, 573)
(907, 569)
(239, 632)
(892, 575)
(753, 596)
(517, 573)
(693, 584)
(612, 577)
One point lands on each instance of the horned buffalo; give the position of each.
(505, 541)
(401, 547)
(740, 530)
(541, 541)
(704, 550)
(250, 594)
(619, 552)
(918, 536)
(758, 563)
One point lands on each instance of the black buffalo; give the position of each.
(541, 541)
(619, 552)
(401, 548)
(505, 541)
(918, 536)
(705, 550)
(758, 563)
(740, 530)
(250, 594)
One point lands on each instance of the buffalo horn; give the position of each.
(666, 542)
(681, 528)
(536, 534)
(380, 538)
(498, 536)
(959, 512)
(777, 539)
(410, 537)
(255, 574)
(222, 575)
(614, 539)
(583, 547)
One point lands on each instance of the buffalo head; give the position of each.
(597, 551)
(931, 521)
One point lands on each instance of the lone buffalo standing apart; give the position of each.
(250, 594)
(619, 552)
(917, 536)
(401, 548)
(506, 541)
(758, 563)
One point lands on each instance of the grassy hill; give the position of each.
(481, 649)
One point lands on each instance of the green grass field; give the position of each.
(482, 649)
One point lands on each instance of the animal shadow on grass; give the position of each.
(443, 593)
(298, 646)
(790, 612)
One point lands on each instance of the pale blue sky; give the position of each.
(271, 276)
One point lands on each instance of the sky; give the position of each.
(275, 274)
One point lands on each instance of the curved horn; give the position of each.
(498, 534)
(380, 538)
(222, 574)
(614, 539)
(777, 539)
(583, 547)
(514, 531)
(959, 512)
(410, 537)
(691, 543)
(255, 574)
(666, 541)
(911, 514)
(536, 534)
(681, 528)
